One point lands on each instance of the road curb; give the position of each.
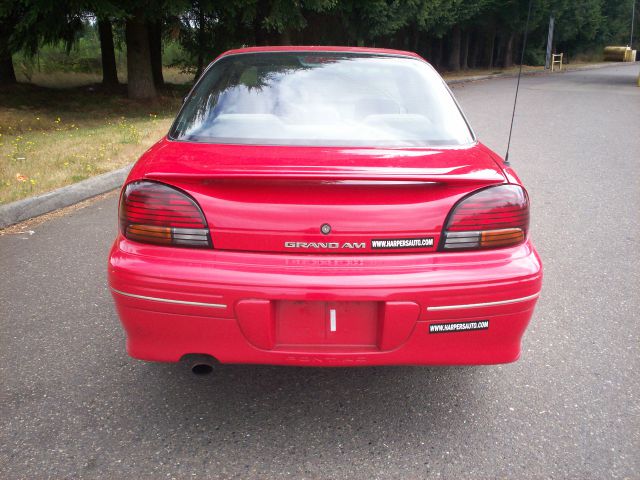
(16, 212)
(492, 76)
(476, 78)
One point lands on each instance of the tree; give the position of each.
(277, 21)
(452, 34)
(143, 37)
(209, 27)
(9, 15)
(455, 48)
(366, 22)
(140, 84)
(107, 53)
(27, 24)
(155, 51)
(7, 73)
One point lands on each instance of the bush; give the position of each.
(535, 56)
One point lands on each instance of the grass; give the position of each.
(68, 79)
(50, 138)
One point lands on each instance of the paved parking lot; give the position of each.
(73, 405)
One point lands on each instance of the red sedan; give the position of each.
(323, 206)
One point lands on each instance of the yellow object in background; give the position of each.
(619, 54)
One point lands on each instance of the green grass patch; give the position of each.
(50, 137)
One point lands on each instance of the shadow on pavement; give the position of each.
(307, 402)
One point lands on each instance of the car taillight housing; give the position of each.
(152, 212)
(491, 218)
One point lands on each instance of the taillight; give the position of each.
(491, 218)
(152, 212)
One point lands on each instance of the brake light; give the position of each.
(491, 218)
(152, 212)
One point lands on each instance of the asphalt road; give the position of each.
(73, 405)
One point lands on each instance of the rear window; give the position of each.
(321, 99)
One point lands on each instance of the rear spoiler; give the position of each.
(426, 175)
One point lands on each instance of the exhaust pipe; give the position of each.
(200, 364)
(202, 368)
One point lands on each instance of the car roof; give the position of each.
(320, 48)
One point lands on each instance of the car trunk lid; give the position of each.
(323, 200)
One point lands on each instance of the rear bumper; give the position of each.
(173, 302)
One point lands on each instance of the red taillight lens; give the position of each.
(152, 212)
(491, 218)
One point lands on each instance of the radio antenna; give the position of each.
(515, 100)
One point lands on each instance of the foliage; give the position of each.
(84, 54)
(195, 31)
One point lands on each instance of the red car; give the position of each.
(323, 206)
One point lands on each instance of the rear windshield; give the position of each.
(321, 99)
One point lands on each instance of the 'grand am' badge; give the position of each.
(325, 245)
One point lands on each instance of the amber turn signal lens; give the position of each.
(150, 234)
(501, 238)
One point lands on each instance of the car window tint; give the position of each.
(321, 99)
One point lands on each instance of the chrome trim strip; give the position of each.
(486, 304)
(168, 300)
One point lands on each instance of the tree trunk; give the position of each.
(476, 46)
(437, 53)
(7, 73)
(415, 37)
(454, 50)
(285, 37)
(464, 60)
(201, 40)
(140, 78)
(427, 50)
(508, 51)
(155, 50)
(259, 34)
(107, 53)
(262, 11)
(491, 46)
